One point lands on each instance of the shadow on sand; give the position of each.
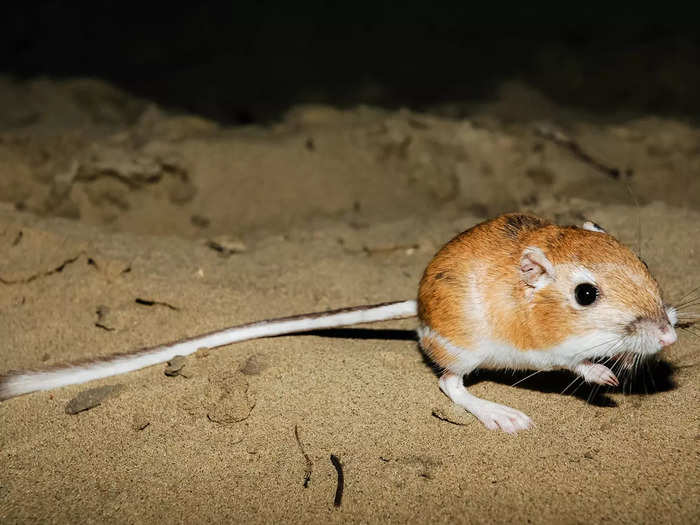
(652, 376)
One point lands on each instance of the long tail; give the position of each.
(22, 382)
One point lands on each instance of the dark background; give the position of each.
(243, 62)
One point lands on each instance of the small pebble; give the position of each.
(88, 399)
(175, 366)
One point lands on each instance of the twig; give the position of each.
(439, 414)
(341, 480)
(149, 302)
(309, 463)
(560, 139)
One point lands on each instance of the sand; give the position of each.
(123, 225)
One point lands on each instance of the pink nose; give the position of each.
(668, 336)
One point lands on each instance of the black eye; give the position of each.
(585, 294)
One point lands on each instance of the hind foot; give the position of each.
(492, 415)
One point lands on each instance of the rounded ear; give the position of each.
(536, 270)
(593, 227)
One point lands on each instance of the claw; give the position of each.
(597, 373)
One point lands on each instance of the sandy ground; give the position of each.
(124, 226)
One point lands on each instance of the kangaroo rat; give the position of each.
(513, 292)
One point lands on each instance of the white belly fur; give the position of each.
(491, 353)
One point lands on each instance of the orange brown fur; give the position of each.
(436, 352)
(478, 274)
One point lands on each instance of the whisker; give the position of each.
(572, 383)
(690, 331)
(612, 368)
(613, 342)
(690, 302)
(617, 364)
(644, 381)
(686, 310)
(679, 358)
(633, 373)
(639, 220)
(617, 369)
(593, 393)
(526, 377)
(583, 382)
(689, 293)
(651, 376)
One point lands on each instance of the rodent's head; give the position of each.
(586, 283)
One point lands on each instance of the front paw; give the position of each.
(597, 373)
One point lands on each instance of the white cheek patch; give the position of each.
(579, 275)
